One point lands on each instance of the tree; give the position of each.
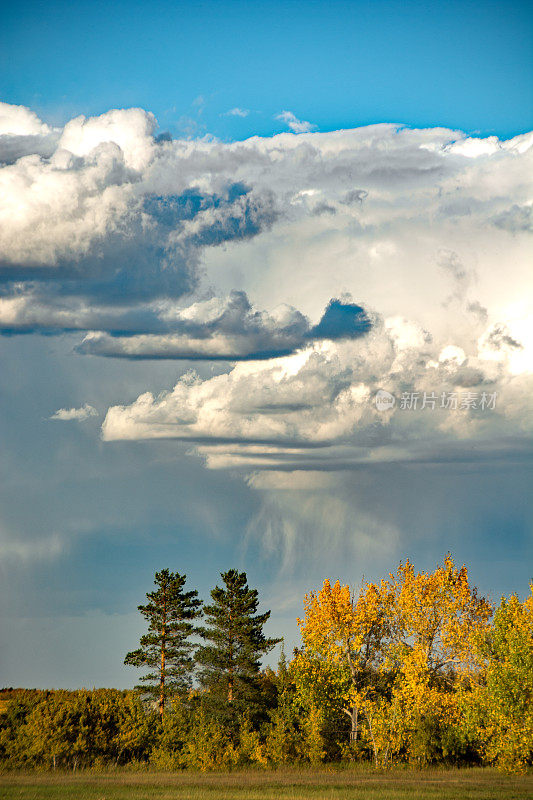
(283, 734)
(498, 705)
(437, 617)
(392, 654)
(230, 662)
(166, 649)
(343, 637)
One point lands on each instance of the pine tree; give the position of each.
(231, 661)
(166, 649)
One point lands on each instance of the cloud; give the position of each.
(154, 248)
(315, 410)
(20, 121)
(77, 414)
(13, 549)
(215, 329)
(22, 134)
(230, 329)
(355, 196)
(296, 125)
(88, 218)
(515, 219)
(237, 112)
(105, 226)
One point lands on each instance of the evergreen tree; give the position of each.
(230, 663)
(166, 649)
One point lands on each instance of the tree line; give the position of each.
(416, 668)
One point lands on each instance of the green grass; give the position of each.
(284, 784)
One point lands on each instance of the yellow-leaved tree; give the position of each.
(498, 703)
(343, 636)
(437, 618)
(393, 653)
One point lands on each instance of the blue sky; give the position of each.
(337, 64)
(193, 327)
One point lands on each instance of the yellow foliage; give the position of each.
(403, 644)
(498, 708)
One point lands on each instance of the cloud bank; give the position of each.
(154, 248)
(316, 410)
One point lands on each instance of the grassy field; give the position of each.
(285, 784)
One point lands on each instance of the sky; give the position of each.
(339, 64)
(264, 275)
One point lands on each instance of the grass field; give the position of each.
(285, 784)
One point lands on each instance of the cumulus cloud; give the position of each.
(140, 243)
(22, 134)
(103, 225)
(20, 121)
(91, 220)
(77, 414)
(315, 410)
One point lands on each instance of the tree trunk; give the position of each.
(162, 684)
(354, 716)
(374, 748)
(163, 654)
(230, 671)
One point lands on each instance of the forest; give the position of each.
(416, 669)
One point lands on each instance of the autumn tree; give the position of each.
(235, 643)
(343, 636)
(166, 650)
(436, 618)
(498, 703)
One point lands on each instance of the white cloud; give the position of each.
(131, 130)
(20, 121)
(296, 125)
(122, 236)
(228, 329)
(94, 213)
(237, 112)
(114, 221)
(219, 328)
(77, 414)
(315, 410)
